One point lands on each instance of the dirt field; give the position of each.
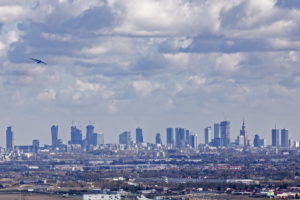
(34, 197)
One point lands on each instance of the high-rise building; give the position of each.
(275, 137)
(187, 138)
(76, 135)
(54, 136)
(225, 133)
(98, 139)
(170, 137)
(125, 138)
(89, 134)
(217, 130)
(35, 146)
(207, 135)
(193, 141)
(258, 142)
(244, 133)
(285, 138)
(240, 140)
(180, 137)
(9, 139)
(158, 139)
(139, 136)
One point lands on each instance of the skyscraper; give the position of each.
(225, 133)
(76, 135)
(207, 135)
(187, 138)
(258, 142)
(54, 136)
(285, 138)
(139, 136)
(158, 139)
(35, 146)
(89, 134)
(216, 130)
(244, 133)
(180, 137)
(98, 139)
(216, 141)
(193, 141)
(9, 139)
(125, 138)
(170, 137)
(275, 137)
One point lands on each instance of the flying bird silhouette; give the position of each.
(38, 61)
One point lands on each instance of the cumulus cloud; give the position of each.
(132, 57)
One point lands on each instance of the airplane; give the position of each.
(38, 61)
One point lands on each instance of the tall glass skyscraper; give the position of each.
(170, 137)
(139, 136)
(98, 139)
(90, 134)
(158, 139)
(225, 133)
(207, 135)
(9, 139)
(180, 137)
(285, 138)
(275, 137)
(216, 130)
(54, 136)
(76, 135)
(125, 138)
(193, 141)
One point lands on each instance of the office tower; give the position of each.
(193, 141)
(216, 130)
(244, 133)
(258, 142)
(89, 134)
(187, 138)
(98, 139)
(170, 137)
(76, 135)
(9, 139)
(54, 136)
(284, 138)
(240, 140)
(35, 146)
(125, 138)
(180, 137)
(275, 137)
(207, 135)
(262, 142)
(225, 133)
(158, 139)
(139, 136)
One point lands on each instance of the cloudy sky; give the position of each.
(120, 64)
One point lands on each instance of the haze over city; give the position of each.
(151, 64)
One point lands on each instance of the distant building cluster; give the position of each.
(176, 138)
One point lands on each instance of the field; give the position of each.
(34, 197)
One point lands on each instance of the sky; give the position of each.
(122, 64)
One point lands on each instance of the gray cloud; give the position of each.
(149, 63)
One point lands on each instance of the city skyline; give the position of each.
(153, 64)
(85, 135)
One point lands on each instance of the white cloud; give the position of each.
(47, 95)
(185, 56)
(228, 62)
(145, 87)
(11, 13)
